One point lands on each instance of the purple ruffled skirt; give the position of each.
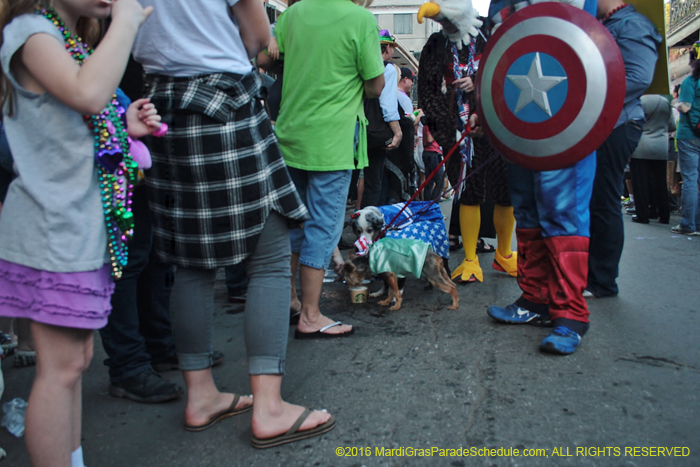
(68, 299)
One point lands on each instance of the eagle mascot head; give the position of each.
(459, 19)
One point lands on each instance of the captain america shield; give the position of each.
(552, 85)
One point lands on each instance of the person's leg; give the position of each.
(88, 347)
(373, 176)
(25, 343)
(533, 265)
(532, 261)
(659, 193)
(639, 173)
(191, 305)
(688, 152)
(154, 287)
(294, 303)
(236, 282)
(53, 410)
(563, 201)
(296, 236)
(266, 330)
(325, 201)
(606, 227)
(432, 189)
(469, 221)
(121, 337)
(504, 221)
(360, 191)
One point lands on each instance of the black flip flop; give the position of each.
(293, 434)
(483, 247)
(216, 418)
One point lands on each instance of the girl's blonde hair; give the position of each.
(88, 29)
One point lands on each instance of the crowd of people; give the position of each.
(257, 183)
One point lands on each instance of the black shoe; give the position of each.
(637, 219)
(148, 387)
(171, 362)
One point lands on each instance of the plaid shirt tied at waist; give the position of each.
(217, 173)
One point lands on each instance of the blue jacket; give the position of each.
(637, 39)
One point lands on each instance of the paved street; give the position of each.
(426, 377)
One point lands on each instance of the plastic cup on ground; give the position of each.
(358, 294)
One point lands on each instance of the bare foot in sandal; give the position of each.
(277, 420)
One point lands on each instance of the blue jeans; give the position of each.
(607, 231)
(236, 280)
(324, 194)
(555, 201)
(689, 158)
(266, 321)
(138, 330)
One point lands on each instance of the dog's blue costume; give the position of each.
(421, 220)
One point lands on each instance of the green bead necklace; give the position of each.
(117, 170)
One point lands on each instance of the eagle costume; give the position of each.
(448, 55)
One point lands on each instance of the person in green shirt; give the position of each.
(331, 57)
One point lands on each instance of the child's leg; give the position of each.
(52, 413)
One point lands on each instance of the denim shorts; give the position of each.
(325, 195)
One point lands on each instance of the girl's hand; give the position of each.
(142, 118)
(130, 11)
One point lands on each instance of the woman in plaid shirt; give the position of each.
(221, 195)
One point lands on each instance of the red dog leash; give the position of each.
(425, 183)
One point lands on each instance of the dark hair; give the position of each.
(694, 63)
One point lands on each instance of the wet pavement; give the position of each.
(426, 380)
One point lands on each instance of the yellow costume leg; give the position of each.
(505, 259)
(469, 223)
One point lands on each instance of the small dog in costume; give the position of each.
(421, 220)
(393, 258)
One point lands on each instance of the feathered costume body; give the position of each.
(460, 44)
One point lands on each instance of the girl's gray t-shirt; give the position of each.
(52, 218)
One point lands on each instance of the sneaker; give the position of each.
(513, 314)
(147, 387)
(677, 229)
(562, 341)
(8, 344)
(628, 203)
(588, 294)
(171, 362)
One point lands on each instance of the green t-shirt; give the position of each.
(330, 48)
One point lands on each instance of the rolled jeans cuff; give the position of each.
(265, 366)
(194, 361)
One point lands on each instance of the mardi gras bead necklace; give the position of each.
(612, 12)
(116, 168)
